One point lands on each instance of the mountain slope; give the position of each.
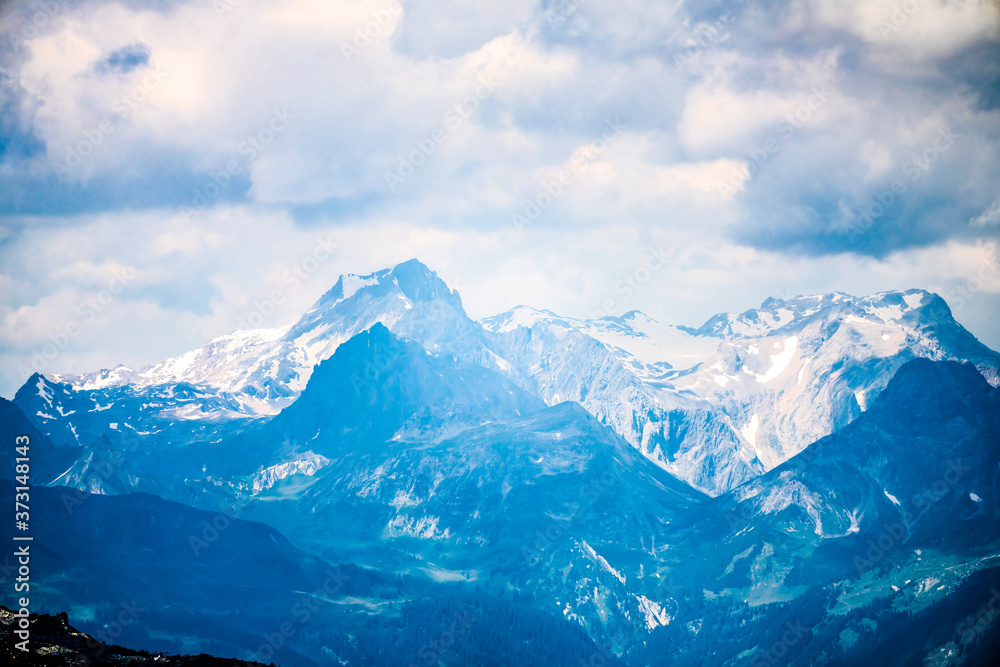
(925, 457)
(443, 469)
(619, 370)
(715, 406)
(440, 470)
(920, 470)
(208, 393)
(47, 461)
(376, 387)
(553, 503)
(879, 543)
(163, 577)
(720, 404)
(105, 469)
(264, 368)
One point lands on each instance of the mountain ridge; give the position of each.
(715, 406)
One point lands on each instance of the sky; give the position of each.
(168, 168)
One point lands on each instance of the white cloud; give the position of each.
(450, 28)
(366, 87)
(988, 218)
(913, 30)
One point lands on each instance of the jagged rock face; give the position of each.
(436, 461)
(48, 461)
(919, 467)
(544, 502)
(208, 393)
(719, 405)
(376, 388)
(259, 371)
(418, 458)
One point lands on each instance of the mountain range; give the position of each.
(715, 406)
(646, 493)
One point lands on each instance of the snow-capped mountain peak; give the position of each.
(412, 279)
(776, 315)
(260, 371)
(715, 406)
(718, 404)
(518, 316)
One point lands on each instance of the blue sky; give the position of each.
(166, 166)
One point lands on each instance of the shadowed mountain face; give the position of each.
(151, 574)
(539, 503)
(909, 489)
(879, 540)
(160, 576)
(254, 372)
(395, 458)
(376, 387)
(926, 455)
(48, 460)
(447, 470)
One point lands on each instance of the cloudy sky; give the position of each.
(167, 165)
